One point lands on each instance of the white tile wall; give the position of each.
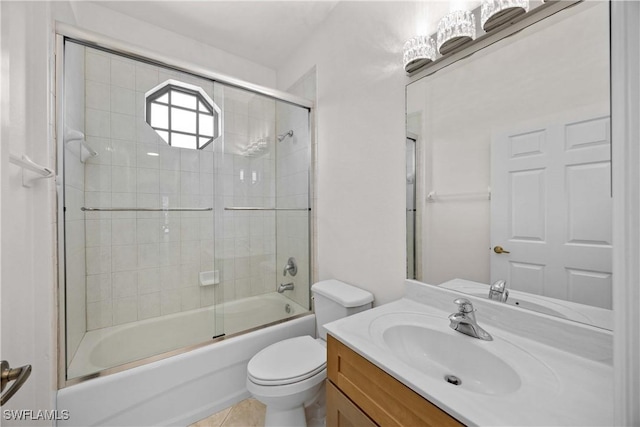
(148, 280)
(99, 314)
(98, 287)
(98, 123)
(149, 305)
(146, 264)
(97, 67)
(248, 263)
(124, 310)
(122, 72)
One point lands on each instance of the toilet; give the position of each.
(289, 375)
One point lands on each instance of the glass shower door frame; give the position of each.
(63, 32)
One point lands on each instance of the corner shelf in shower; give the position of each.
(73, 136)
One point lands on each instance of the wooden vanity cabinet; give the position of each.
(361, 394)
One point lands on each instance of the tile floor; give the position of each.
(250, 413)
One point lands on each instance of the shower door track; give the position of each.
(99, 41)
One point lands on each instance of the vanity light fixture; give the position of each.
(418, 51)
(494, 13)
(454, 30)
(458, 31)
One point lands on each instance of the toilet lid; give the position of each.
(288, 361)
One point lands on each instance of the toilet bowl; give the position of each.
(289, 375)
(286, 377)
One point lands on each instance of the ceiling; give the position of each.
(266, 32)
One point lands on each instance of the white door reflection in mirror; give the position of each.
(551, 209)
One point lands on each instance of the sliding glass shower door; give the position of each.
(139, 204)
(183, 201)
(264, 206)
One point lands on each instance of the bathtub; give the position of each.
(184, 388)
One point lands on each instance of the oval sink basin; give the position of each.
(452, 359)
(425, 343)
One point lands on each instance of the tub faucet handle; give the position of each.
(291, 266)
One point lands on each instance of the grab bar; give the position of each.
(144, 209)
(250, 208)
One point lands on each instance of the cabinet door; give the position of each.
(383, 398)
(341, 412)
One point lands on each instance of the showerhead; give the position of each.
(284, 135)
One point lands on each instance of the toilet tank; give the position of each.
(334, 300)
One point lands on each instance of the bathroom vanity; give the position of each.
(401, 364)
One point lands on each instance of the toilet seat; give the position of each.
(287, 362)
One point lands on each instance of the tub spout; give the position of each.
(285, 287)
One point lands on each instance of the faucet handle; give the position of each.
(499, 285)
(464, 305)
(291, 266)
(498, 291)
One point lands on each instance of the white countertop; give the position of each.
(596, 316)
(558, 388)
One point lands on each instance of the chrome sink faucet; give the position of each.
(498, 291)
(464, 321)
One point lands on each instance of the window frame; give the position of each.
(211, 109)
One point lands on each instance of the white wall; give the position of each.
(360, 142)
(134, 32)
(28, 315)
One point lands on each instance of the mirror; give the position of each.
(513, 178)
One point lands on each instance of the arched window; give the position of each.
(182, 114)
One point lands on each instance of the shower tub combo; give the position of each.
(182, 195)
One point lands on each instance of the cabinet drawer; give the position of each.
(384, 399)
(341, 412)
